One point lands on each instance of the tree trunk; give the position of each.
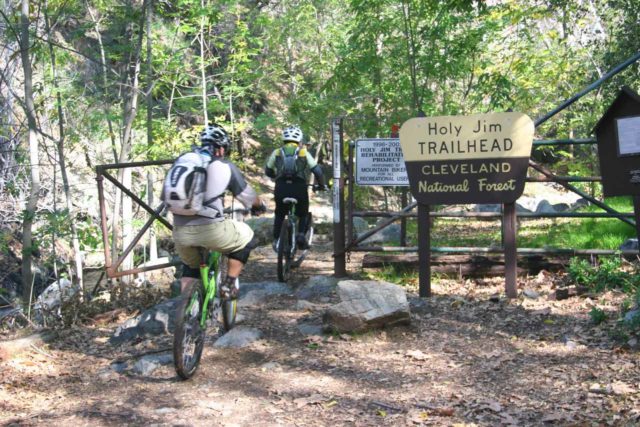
(129, 114)
(202, 68)
(103, 64)
(32, 201)
(153, 249)
(77, 255)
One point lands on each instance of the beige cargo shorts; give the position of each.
(226, 236)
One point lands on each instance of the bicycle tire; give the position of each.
(229, 306)
(189, 335)
(310, 230)
(284, 252)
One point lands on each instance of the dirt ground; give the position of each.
(466, 359)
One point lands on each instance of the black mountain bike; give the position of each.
(287, 244)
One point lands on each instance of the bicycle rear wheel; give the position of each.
(229, 306)
(284, 252)
(188, 338)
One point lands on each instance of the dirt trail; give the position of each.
(465, 359)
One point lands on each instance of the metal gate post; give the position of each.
(339, 258)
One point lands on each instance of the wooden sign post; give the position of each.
(481, 158)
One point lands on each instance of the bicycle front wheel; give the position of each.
(284, 252)
(188, 338)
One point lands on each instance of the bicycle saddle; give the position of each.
(288, 200)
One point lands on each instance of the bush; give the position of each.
(609, 274)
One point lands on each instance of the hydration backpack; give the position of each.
(184, 186)
(289, 168)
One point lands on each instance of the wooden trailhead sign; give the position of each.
(480, 158)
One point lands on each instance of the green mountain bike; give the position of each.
(200, 307)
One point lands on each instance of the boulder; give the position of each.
(390, 233)
(367, 304)
(262, 228)
(252, 294)
(317, 287)
(157, 320)
(55, 294)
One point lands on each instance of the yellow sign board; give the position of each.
(480, 158)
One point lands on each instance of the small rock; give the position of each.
(147, 364)
(631, 315)
(571, 345)
(622, 389)
(306, 305)
(271, 366)
(531, 294)
(308, 328)
(119, 367)
(238, 337)
(494, 298)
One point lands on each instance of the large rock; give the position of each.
(254, 294)
(389, 234)
(157, 320)
(317, 287)
(56, 293)
(367, 304)
(262, 228)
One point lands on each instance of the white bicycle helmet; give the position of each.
(214, 135)
(292, 133)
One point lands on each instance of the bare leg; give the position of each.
(235, 267)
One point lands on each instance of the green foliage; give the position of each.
(597, 315)
(608, 274)
(395, 273)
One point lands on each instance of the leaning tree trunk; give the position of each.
(32, 201)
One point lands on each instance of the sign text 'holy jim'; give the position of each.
(481, 158)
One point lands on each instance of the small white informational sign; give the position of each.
(628, 136)
(380, 162)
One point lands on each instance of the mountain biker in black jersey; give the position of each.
(214, 231)
(289, 165)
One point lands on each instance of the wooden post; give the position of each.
(424, 250)
(510, 254)
(403, 221)
(339, 258)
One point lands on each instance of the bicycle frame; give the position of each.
(210, 286)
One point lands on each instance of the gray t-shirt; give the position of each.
(222, 175)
